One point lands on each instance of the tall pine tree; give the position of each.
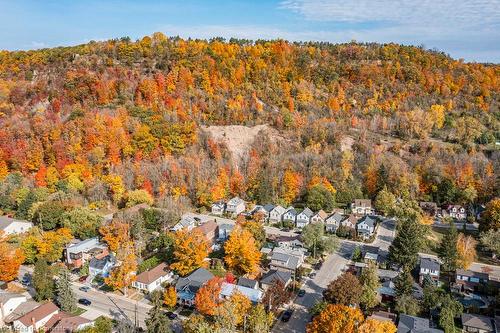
(404, 283)
(43, 281)
(404, 249)
(65, 296)
(369, 280)
(157, 322)
(448, 249)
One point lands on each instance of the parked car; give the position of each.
(26, 281)
(301, 293)
(171, 315)
(287, 315)
(84, 288)
(84, 301)
(83, 278)
(312, 275)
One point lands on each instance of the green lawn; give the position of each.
(78, 311)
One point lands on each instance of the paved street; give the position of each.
(330, 270)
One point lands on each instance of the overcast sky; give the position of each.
(464, 29)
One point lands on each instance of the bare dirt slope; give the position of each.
(237, 138)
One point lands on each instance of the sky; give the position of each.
(464, 29)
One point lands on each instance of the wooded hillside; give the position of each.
(99, 120)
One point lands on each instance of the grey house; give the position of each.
(332, 222)
(303, 218)
(365, 227)
(411, 324)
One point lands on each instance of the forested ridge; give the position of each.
(99, 120)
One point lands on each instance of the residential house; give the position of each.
(456, 212)
(268, 209)
(429, 267)
(290, 214)
(11, 226)
(370, 254)
(387, 291)
(478, 324)
(349, 222)
(249, 283)
(8, 303)
(81, 252)
(258, 209)
(224, 231)
(332, 222)
(287, 260)
(218, 208)
(187, 287)
(466, 280)
(365, 226)
(411, 324)
(303, 218)
(227, 289)
(362, 207)
(209, 230)
(276, 214)
(151, 280)
(383, 316)
(430, 208)
(36, 319)
(272, 276)
(68, 323)
(20, 311)
(187, 222)
(101, 266)
(291, 242)
(319, 217)
(235, 206)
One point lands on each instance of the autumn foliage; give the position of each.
(241, 253)
(190, 250)
(207, 298)
(11, 259)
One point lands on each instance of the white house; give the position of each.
(276, 214)
(304, 218)
(456, 211)
(35, 319)
(235, 206)
(12, 226)
(224, 231)
(362, 207)
(365, 227)
(290, 214)
(151, 280)
(218, 208)
(319, 216)
(8, 303)
(349, 222)
(227, 289)
(430, 267)
(332, 222)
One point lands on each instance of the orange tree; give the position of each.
(336, 318)
(170, 297)
(190, 250)
(207, 298)
(241, 253)
(10, 260)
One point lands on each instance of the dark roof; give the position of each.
(430, 264)
(370, 221)
(477, 321)
(194, 280)
(307, 212)
(411, 324)
(291, 211)
(5, 221)
(479, 275)
(100, 263)
(274, 275)
(249, 283)
(153, 274)
(268, 207)
(336, 217)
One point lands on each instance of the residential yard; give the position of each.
(435, 236)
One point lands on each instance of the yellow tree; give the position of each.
(115, 234)
(466, 248)
(377, 326)
(242, 255)
(241, 306)
(170, 297)
(336, 319)
(122, 276)
(190, 250)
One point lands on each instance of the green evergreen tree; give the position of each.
(404, 283)
(448, 249)
(406, 245)
(408, 305)
(43, 281)
(65, 296)
(370, 282)
(450, 308)
(357, 255)
(157, 322)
